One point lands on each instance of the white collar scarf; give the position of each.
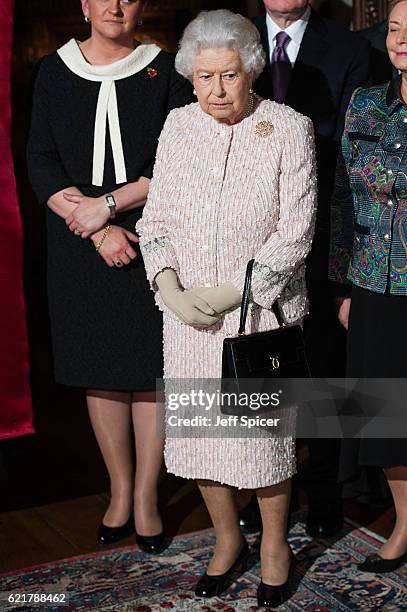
(106, 109)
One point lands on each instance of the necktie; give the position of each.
(280, 67)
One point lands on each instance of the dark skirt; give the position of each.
(377, 341)
(106, 329)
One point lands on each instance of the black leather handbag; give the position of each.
(278, 353)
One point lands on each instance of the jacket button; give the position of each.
(390, 202)
(386, 237)
(397, 144)
(404, 119)
(389, 172)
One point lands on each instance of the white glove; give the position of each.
(221, 298)
(190, 309)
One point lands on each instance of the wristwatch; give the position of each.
(111, 204)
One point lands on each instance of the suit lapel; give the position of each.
(264, 84)
(312, 50)
(261, 25)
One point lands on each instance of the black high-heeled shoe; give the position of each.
(151, 544)
(270, 596)
(211, 586)
(110, 535)
(376, 564)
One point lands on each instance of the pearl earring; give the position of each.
(87, 19)
(250, 90)
(139, 23)
(194, 92)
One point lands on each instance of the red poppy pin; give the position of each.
(152, 72)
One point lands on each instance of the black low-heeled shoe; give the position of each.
(270, 596)
(110, 535)
(376, 564)
(151, 544)
(211, 586)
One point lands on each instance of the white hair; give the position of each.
(221, 29)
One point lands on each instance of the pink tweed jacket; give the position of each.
(221, 195)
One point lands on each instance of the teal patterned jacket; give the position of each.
(369, 208)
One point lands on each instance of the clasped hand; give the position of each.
(89, 215)
(188, 308)
(199, 307)
(222, 298)
(116, 249)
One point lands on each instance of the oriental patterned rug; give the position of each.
(126, 580)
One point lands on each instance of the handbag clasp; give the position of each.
(275, 361)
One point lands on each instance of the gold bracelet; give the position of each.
(99, 244)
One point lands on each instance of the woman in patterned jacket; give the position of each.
(234, 179)
(369, 268)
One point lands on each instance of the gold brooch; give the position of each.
(264, 129)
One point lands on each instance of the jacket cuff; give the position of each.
(266, 284)
(158, 255)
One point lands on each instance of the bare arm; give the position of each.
(343, 308)
(132, 195)
(91, 214)
(60, 205)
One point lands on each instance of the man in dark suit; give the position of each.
(326, 64)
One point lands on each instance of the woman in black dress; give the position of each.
(98, 110)
(369, 250)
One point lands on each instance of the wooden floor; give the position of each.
(54, 531)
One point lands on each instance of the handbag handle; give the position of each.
(246, 299)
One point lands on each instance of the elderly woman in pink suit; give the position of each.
(234, 179)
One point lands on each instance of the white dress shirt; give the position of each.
(295, 31)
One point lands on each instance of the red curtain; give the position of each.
(15, 400)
